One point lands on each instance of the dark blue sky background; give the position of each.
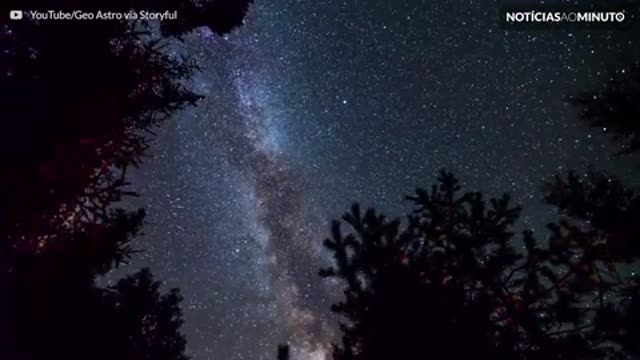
(313, 105)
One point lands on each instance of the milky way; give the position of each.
(312, 105)
(235, 132)
(280, 222)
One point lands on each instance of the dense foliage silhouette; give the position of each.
(79, 102)
(449, 283)
(599, 211)
(81, 98)
(604, 206)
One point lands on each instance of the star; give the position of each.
(310, 106)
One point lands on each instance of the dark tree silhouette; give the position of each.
(150, 321)
(448, 284)
(598, 224)
(615, 108)
(80, 99)
(66, 320)
(79, 102)
(602, 204)
(600, 211)
(55, 310)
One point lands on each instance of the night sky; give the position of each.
(313, 105)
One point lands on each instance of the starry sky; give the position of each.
(313, 105)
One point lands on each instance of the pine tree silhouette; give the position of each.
(448, 284)
(605, 204)
(600, 211)
(80, 100)
(79, 103)
(598, 226)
